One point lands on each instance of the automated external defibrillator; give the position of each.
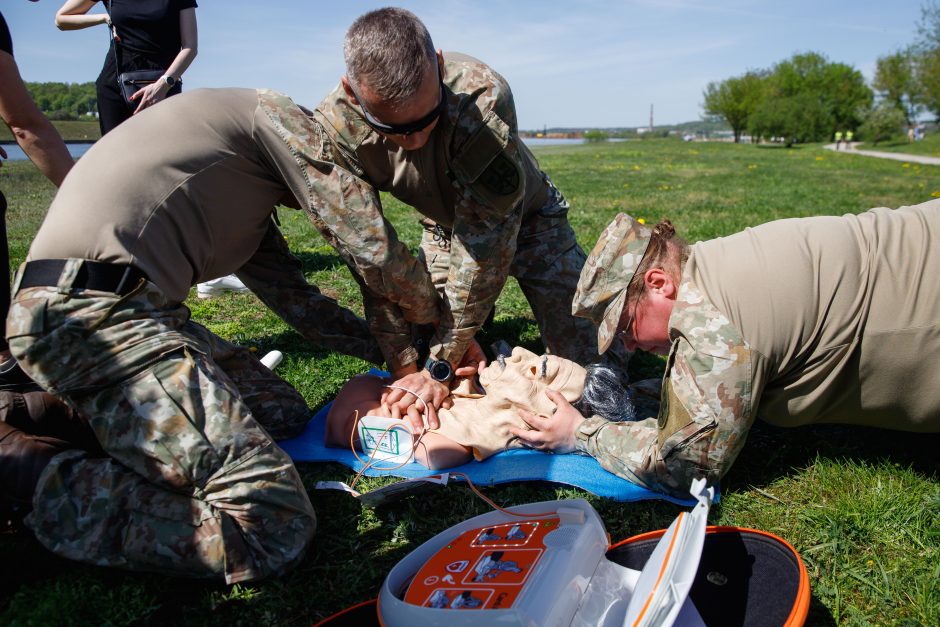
(551, 563)
(544, 564)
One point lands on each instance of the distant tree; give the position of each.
(882, 123)
(734, 100)
(64, 101)
(926, 52)
(928, 80)
(792, 119)
(595, 135)
(928, 29)
(896, 79)
(839, 88)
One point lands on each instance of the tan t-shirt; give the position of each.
(848, 329)
(192, 204)
(482, 422)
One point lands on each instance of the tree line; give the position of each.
(64, 101)
(808, 98)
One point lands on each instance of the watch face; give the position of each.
(440, 371)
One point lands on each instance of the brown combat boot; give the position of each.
(23, 457)
(41, 413)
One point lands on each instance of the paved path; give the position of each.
(897, 156)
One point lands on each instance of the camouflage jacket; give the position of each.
(707, 405)
(347, 213)
(474, 177)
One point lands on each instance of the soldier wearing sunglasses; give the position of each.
(439, 133)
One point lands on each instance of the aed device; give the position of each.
(555, 566)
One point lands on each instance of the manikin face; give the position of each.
(528, 375)
(423, 105)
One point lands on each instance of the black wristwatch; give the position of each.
(170, 81)
(439, 370)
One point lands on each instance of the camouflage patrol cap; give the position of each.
(602, 288)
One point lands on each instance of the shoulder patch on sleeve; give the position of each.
(487, 165)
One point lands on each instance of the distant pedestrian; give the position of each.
(910, 133)
(848, 139)
(838, 139)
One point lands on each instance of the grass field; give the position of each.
(69, 130)
(861, 506)
(929, 146)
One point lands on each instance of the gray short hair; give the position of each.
(389, 49)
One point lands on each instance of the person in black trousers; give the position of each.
(146, 35)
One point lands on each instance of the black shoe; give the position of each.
(13, 378)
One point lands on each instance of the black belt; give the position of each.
(93, 275)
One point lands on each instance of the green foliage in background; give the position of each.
(882, 123)
(734, 100)
(802, 99)
(861, 506)
(64, 101)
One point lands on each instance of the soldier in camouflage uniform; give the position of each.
(826, 319)
(439, 132)
(192, 482)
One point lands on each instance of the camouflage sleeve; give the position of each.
(347, 211)
(276, 278)
(705, 412)
(487, 171)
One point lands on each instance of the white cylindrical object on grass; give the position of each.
(272, 359)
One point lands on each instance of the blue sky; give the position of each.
(584, 63)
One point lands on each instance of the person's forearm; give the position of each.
(77, 22)
(480, 257)
(181, 63)
(189, 44)
(45, 148)
(627, 449)
(391, 331)
(33, 132)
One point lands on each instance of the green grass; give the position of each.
(860, 505)
(70, 130)
(929, 146)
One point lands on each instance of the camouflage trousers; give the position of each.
(193, 485)
(547, 265)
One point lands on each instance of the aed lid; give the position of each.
(664, 584)
(746, 577)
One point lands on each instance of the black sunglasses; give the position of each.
(627, 330)
(408, 128)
